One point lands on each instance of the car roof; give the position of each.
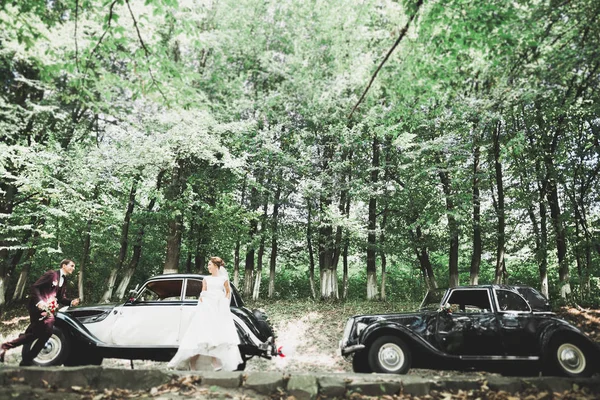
(163, 276)
(486, 286)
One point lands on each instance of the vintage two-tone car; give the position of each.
(148, 326)
(508, 329)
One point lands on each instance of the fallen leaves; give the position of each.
(484, 392)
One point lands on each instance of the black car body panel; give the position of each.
(491, 327)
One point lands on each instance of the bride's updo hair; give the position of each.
(217, 261)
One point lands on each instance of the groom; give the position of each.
(51, 284)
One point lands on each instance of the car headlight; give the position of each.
(360, 326)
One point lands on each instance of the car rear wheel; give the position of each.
(360, 362)
(55, 352)
(567, 358)
(390, 355)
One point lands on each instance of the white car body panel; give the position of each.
(102, 329)
(147, 325)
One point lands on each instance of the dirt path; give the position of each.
(308, 333)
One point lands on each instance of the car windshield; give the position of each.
(432, 299)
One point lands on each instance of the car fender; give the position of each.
(377, 329)
(552, 330)
(76, 330)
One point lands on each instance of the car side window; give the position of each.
(469, 301)
(165, 290)
(193, 289)
(147, 295)
(510, 301)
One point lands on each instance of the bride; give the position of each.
(212, 334)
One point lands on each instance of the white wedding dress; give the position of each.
(211, 333)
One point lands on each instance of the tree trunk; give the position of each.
(559, 232)
(550, 145)
(84, 259)
(236, 253)
(453, 230)
(107, 296)
(236, 263)
(500, 245)
(477, 244)
(274, 237)
(250, 249)
(372, 292)
(175, 224)
(383, 255)
(137, 247)
(346, 212)
(311, 255)
(328, 275)
(23, 275)
(424, 261)
(7, 196)
(21, 283)
(387, 176)
(261, 250)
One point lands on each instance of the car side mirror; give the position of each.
(132, 294)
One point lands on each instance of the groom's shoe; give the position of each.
(25, 363)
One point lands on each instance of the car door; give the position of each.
(193, 287)
(153, 319)
(467, 324)
(517, 322)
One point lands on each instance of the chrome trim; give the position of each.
(497, 305)
(463, 289)
(352, 349)
(347, 331)
(113, 346)
(257, 342)
(509, 358)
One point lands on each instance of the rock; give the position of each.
(52, 377)
(303, 387)
(510, 385)
(223, 379)
(375, 385)
(265, 382)
(139, 379)
(415, 386)
(332, 386)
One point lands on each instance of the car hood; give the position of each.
(86, 311)
(412, 319)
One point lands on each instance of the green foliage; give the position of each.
(214, 109)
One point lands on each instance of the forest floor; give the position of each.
(307, 331)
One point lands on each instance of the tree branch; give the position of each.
(76, 46)
(110, 14)
(146, 51)
(400, 37)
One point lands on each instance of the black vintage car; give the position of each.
(148, 326)
(508, 329)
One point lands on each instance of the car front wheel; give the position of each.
(567, 358)
(390, 355)
(55, 352)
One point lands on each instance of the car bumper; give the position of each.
(347, 350)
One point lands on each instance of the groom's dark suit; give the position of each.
(46, 287)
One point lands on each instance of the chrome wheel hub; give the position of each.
(391, 356)
(50, 351)
(571, 358)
